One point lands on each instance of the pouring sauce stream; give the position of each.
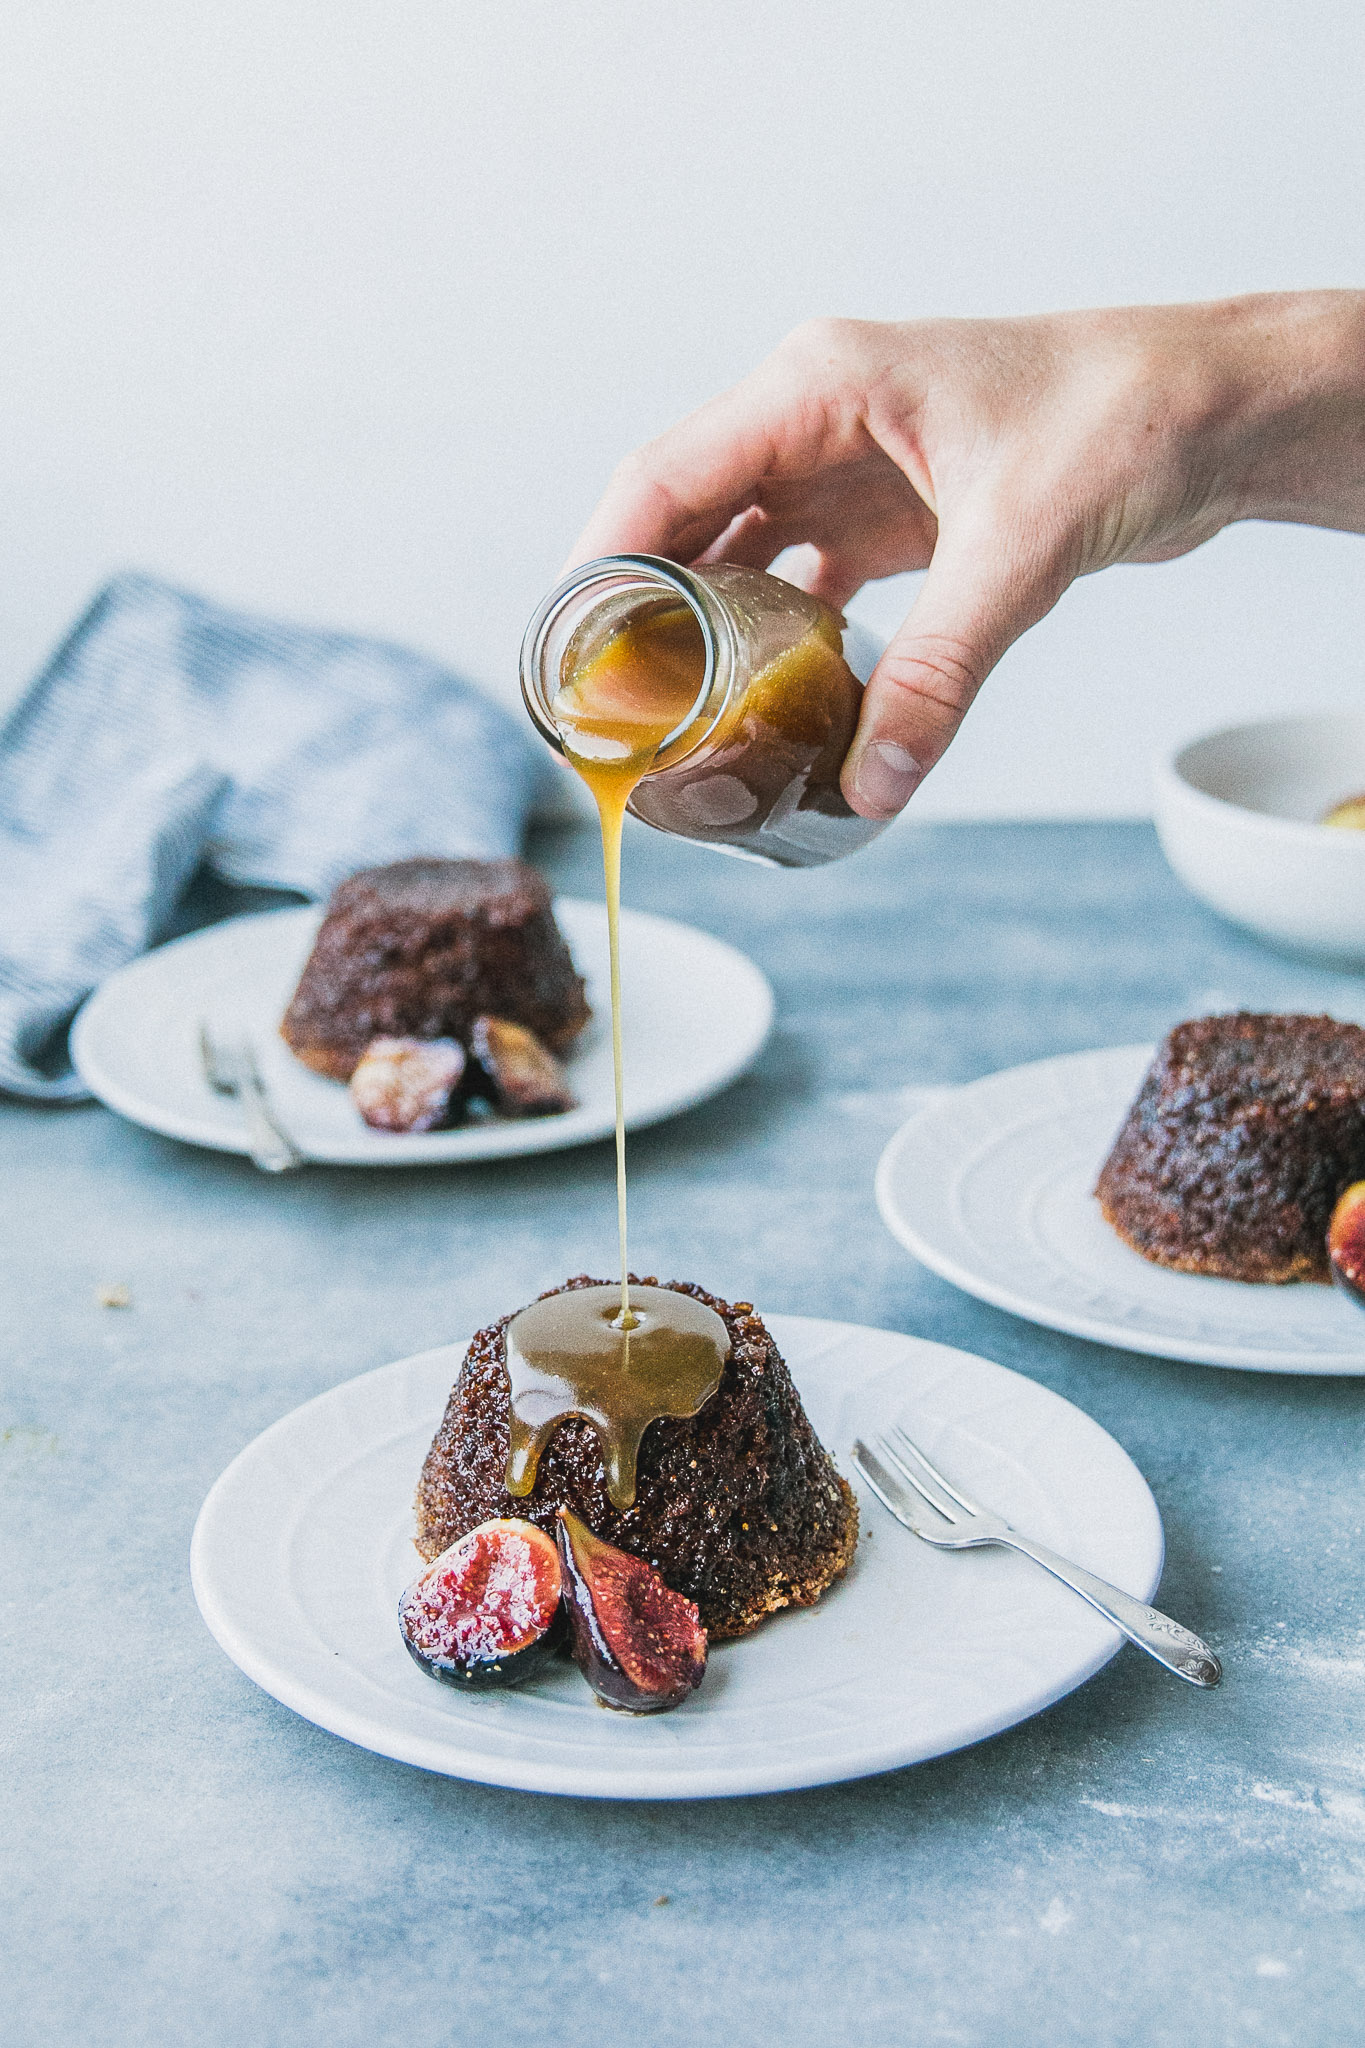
(614, 712)
(588, 1351)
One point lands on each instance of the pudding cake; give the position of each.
(422, 949)
(1244, 1133)
(738, 1506)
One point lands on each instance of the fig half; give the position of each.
(520, 1075)
(408, 1084)
(488, 1611)
(1346, 1241)
(640, 1645)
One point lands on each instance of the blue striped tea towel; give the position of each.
(169, 734)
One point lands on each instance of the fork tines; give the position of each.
(910, 1461)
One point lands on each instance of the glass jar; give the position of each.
(752, 768)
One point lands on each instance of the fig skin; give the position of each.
(1346, 1242)
(640, 1645)
(489, 1610)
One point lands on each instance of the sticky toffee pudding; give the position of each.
(422, 949)
(738, 1507)
(1245, 1132)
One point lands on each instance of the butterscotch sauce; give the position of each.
(568, 1355)
(767, 780)
(620, 1362)
(613, 713)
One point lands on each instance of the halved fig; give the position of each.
(489, 1610)
(408, 1084)
(1346, 1241)
(640, 1645)
(523, 1076)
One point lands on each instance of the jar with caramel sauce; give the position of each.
(751, 687)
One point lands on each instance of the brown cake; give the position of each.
(422, 948)
(1243, 1134)
(739, 1507)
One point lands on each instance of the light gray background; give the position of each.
(344, 308)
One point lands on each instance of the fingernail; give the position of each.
(886, 776)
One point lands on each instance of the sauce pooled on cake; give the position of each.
(568, 1355)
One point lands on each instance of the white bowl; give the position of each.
(1237, 816)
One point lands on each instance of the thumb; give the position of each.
(977, 598)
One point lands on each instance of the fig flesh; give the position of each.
(522, 1076)
(408, 1084)
(640, 1645)
(1346, 1242)
(488, 1611)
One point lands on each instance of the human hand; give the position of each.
(1006, 457)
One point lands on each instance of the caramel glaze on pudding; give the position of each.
(738, 1507)
(571, 1354)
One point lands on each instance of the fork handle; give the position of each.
(1179, 1649)
(271, 1149)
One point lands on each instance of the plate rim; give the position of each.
(604, 1780)
(516, 1139)
(1195, 1351)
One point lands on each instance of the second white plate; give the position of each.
(991, 1188)
(695, 1013)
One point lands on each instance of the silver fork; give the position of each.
(957, 1523)
(230, 1069)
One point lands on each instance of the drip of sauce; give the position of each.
(613, 714)
(620, 1362)
(568, 1355)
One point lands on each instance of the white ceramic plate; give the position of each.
(695, 1015)
(991, 1187)
(304, 1544)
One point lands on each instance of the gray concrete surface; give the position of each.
(182, 1860)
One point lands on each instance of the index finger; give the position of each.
(679, 493)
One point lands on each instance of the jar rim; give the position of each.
(652, 571)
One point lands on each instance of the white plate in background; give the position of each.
(991, 1187)
(695, 1014)
(305, 1542)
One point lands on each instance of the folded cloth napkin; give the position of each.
(168, 733)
